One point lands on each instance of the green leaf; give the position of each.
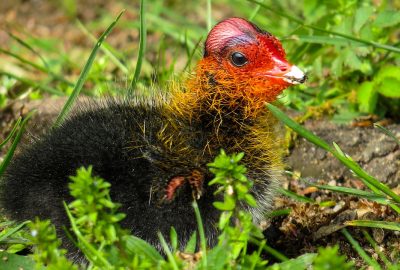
(330, 258)
(250, 200)
(14, 248)
(389, 87)
(367, 97)
(361, 17)
(387, 81)
(337, 67)
(387, 71)
(135, 245)
(192, 243)
(387, 18)
(352, 60)
(13, 261)
(218, 257)
(313, 10)
(173, 236)
(301, 262)
(224, 206)
(224, 219)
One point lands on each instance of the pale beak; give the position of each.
(294, 76)
(286, 72)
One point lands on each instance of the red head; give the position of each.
(245, 63)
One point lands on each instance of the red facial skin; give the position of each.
(249, 86)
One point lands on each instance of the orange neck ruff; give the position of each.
(214, 91)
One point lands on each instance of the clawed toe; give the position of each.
(195, 179)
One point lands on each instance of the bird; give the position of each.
(154, 150)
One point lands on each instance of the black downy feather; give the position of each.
(120, 140)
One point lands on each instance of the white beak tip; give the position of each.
(295, 76)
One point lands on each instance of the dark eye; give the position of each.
(238, 59)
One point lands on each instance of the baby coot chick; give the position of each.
(155, 152)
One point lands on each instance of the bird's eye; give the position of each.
(238, 59)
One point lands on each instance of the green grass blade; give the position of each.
(393, 226)
(82, 77)
(351, 191)
(371, 43)
(203, 242)
(355, 192)
(174, 31)
(388, 133)
(255, 11)
(33, 84)
(191, 244)
(366, 178)
(209, 15)
(11, 231)
(11, 133)
(142, 48)
(356, 246)
(298, 128)
(191, 54)
(295, 196)
(270, 250)
(170, 257)
(279, 212)
(377, 249)
(23, 60)
(332, 40)
(10, 152)
(29, 47)
(105, 48)
(285, 15)
(353, 38)
(36, 66)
